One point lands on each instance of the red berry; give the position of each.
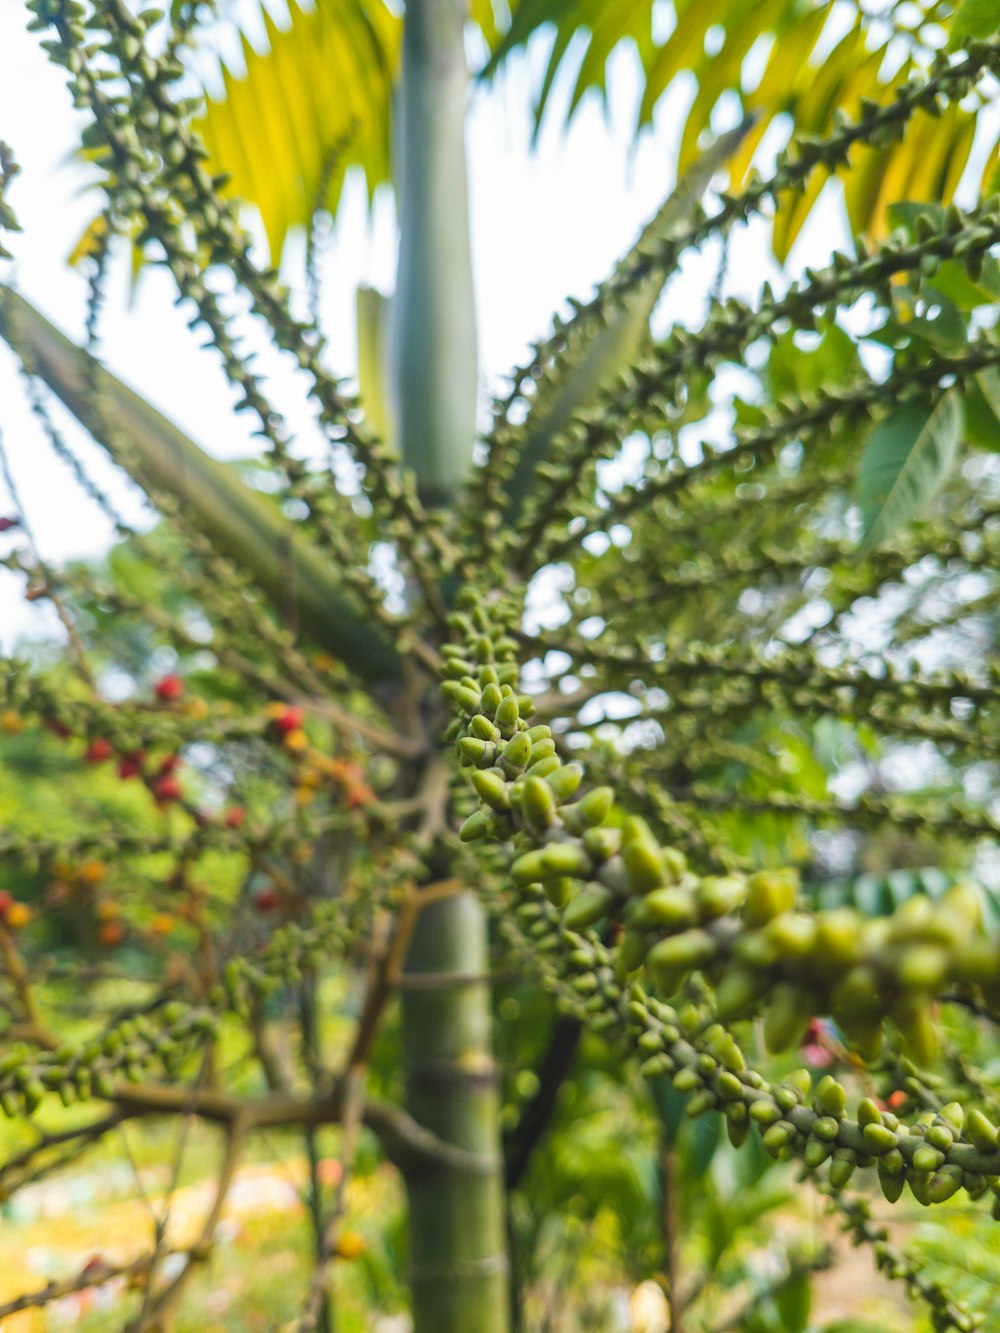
(130, 765)
(169, 689)
(97, 751)
(166, 789)
(7, 523)
(6, 903)
(290, 720)
(267, 900)
(170, 764)
(234, 816)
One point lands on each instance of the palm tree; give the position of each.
(350, 84)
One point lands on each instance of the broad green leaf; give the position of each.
(907, 458)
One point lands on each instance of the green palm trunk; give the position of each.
(458, 1257)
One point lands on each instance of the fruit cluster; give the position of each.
(744, 934)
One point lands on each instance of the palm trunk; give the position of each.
(458, 1258)
(458, 1261)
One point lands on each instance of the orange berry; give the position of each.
(17, 915)
(111, 934)
(358, 795)
(107, 909)
(162, 924)
(92, 872)
(296, 740)
(350, 1245)
(11, 722)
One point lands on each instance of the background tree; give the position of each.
(754, 568)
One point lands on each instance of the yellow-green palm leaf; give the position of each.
(313, 103)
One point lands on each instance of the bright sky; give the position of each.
(546, 224)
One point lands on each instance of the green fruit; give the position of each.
(467, 697)
(602, 843)
(590, 905)
(558, 891)
(769, 893)
(668, 907)
(507, 715)
(565, 780)
(868, 1113)
(643, 863)
(944, 1183)
(595, 807)
(954, 1113)
(878, 1139)
(538, 803)
(544, 767)
(516, 752)
(926, 1159)
(776, 1137)
(837, 941)
(922, 967)
(982, 1133)
(729, 1087)
(913, 1017)
(473, 751)
(786, 1017)
(632, 949)
(717, 895)
(892, 1186)
(816, 1152)
(491, 699)
(792, 935)
(491, 788)
(829, 1097)
(482, 727)
(764, 1112)
(476, 826)
(737, 1131)
(689, 950)
(739, 989)
(842, 1167)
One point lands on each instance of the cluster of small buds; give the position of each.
(946, 1314)
(161, 1039)
(743, 933)
(945, 1150)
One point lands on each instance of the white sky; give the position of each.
(546, 224)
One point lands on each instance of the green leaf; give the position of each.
(975, 18)
(907, 458)
(988, 383)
